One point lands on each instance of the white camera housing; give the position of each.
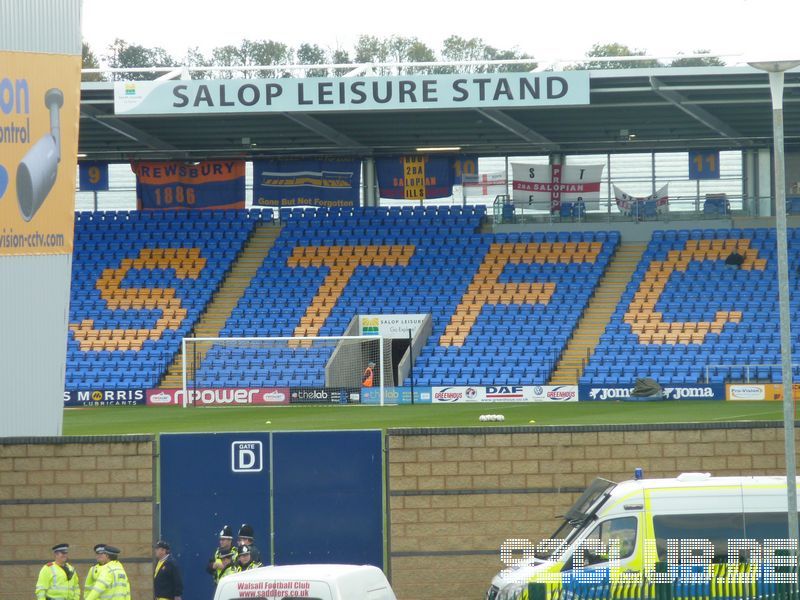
(38, 169)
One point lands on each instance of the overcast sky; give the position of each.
(548, 30)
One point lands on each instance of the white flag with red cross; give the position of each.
(547, 187)
(484, 184)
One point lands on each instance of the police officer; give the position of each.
(225, 545)
(57, 579)
(247, 538)
(91, 576)
(112, 581)
(246, 561)
(228, 561)
(167, 582)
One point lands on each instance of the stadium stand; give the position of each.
(503, 305)
(684, 310)
(139, 282)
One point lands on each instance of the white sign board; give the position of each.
(326, 94)
(390, 326)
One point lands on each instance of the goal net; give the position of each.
(284, 370)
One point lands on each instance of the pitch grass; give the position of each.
(139, 419)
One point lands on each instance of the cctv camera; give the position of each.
(37, 172)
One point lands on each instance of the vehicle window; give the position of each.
(622, 529)
(717, 528)
(765, 526)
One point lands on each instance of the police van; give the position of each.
(647, 519)
(314, 582)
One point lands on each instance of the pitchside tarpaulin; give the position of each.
(547, 187)
(390, 326)
(503, 393)
(306, 182)
(711, 391)
(411, 92)
(651, 205)
(484, 184)
(178, 185)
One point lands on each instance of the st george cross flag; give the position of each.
(642, 206)
(546, 187)
(484, 184)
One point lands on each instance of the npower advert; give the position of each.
(39, 105)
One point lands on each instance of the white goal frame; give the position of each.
(211, 340)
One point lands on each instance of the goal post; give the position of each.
(330, 366)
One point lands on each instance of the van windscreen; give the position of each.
(586, 505)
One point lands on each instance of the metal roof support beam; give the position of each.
(126, 129)
(325, 131)
(510, 124)
(699, 114)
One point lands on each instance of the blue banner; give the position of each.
(93, 176)
(306, 182)
(104, 398)
(705, 391)
(420, 177)
(178, 185)
(396, 395)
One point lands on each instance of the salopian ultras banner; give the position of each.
(282, 183)
(179, 185)
(325, 94)
(39, 107)
(422, 177)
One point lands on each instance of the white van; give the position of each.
(312, 582)
(642, 515)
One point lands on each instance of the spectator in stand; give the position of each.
(734, 260)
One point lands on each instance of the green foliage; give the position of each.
(312, 54)
(122, 55)
(455, 48)
(615, 49)
(89, 61)
(711, 61)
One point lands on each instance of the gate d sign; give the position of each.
(246, 457)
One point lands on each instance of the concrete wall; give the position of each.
(456, 495)
(81, 491)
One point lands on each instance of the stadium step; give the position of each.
(597, 314)
(228, 295)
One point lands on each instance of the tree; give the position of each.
(455, 48)
(123, 55)
(195, 58)
(711, 61)
(615, 49)
(312, 54)
(405, 49)
(252, 53)
(340, 57)
(370, 49)
(89, 61)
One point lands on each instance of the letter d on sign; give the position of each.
(246, 457)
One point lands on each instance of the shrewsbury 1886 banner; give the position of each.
(177, 185)
(416, 177)
(306, 182)
(546, 187)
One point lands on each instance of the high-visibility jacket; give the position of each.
(369, 375)
(214, 571)
(229, 570)
(58, 582)
(251, 565)
(111, 582)
(91, 576)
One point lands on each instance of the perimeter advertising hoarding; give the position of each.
(105, 398)
(324, 395)
(713, 391)
(326, 94)
(39, 96)
(219, 396)
(504, 393)
(396, 395)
